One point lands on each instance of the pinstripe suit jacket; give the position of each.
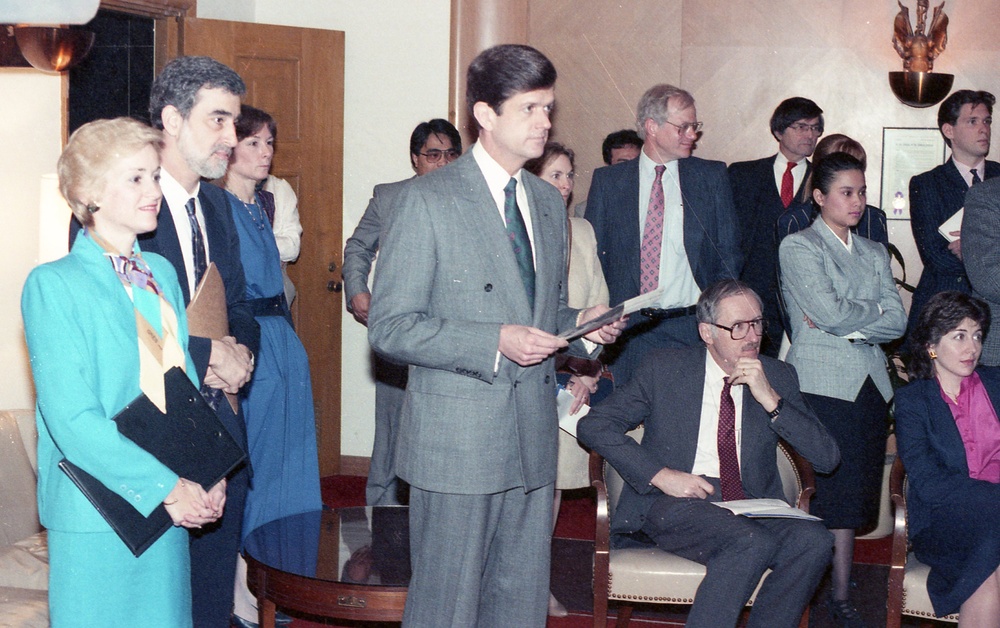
(841, 292)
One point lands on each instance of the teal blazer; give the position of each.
(80, 328)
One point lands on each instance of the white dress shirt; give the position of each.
(177, 197)
(706, 457)
(798, 172)
(676, 278)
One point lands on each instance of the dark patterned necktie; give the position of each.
(975, 176)
(652, 236)
(518, 234)
(200, 259)
(729, 464)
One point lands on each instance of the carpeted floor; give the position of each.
(572, 556)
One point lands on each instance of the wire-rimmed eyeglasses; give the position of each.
(740, 329)
(683, 129)
(434, 155)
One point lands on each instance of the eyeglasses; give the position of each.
(802, 127)
(683, 129)
(740, 329)
(434, 155)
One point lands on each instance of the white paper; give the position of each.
(567, 421)
(765, 508)
(952, 224)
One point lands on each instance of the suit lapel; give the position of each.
(691, 197)
(490, 239)
(165, 242)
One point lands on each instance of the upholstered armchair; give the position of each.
(650, 575)
(907, 575)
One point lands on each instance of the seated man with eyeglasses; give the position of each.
(662, 220)
(713, 415)
(762, 190)
(433, 144)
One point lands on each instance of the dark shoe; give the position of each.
(844, 614)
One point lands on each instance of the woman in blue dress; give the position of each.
(83, 318)
(278, 407)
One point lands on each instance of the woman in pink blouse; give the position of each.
(949, 439)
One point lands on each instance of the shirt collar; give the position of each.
(966, 171)
(496, 176)
(783, 161)
(174, 192)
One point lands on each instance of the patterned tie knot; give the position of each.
(660, 169)
(975, 176)
(511, 187)
(789, 166)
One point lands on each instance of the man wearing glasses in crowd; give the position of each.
(664, 220)
(700, 406)
(762, 190)
(433, 144)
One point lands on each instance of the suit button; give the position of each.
(488, 287)
(547, 379)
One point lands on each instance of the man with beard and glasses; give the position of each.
(195, 102)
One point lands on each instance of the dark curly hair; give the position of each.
(943, 312)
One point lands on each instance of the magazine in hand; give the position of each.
(189, 439)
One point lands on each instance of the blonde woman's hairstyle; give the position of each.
(90, 153)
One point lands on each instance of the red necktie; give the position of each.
(652, 237)
(729, 464)
(787, 191)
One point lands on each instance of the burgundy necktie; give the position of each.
(729, 464)
(787, 190)
(652, 237)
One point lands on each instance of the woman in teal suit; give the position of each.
(842, 302)
(83, 316)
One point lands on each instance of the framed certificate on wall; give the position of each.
(906, 152)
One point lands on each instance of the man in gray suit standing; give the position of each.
(433, 144)
(470, 292)
(700, 406)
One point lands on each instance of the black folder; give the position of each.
(189, 439)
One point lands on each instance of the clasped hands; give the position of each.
(191, 506)
(229, 365)
(529, 345)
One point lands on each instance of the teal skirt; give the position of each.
(94, 580)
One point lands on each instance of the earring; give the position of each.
(92, 208)
(932, 353)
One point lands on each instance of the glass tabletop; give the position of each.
(362, 545)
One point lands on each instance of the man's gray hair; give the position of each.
(180, 80)
(708, 302)
(653, 105)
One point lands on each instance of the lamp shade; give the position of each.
(53, 49)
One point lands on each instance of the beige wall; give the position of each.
(30, 129)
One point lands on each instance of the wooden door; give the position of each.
(297, 75)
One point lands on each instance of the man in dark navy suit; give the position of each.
(762, 190)
(663, 220)
(195, 101)
(964, 119)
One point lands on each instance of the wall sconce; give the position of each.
(51, 48)
(917, 86)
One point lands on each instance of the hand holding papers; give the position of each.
(614, 314)
(952, 224)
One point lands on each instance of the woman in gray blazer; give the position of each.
(842, 303)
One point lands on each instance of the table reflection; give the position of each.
(350, 545)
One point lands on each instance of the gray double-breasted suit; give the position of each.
(474, 423)
(981, 251)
